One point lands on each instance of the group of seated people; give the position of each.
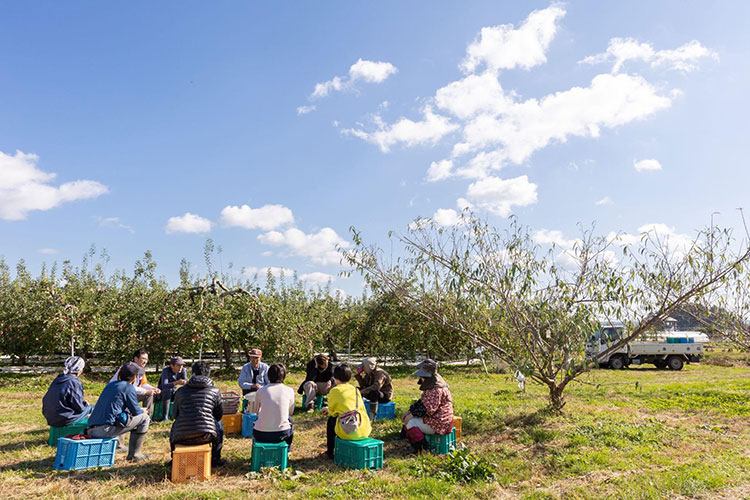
(198, 411)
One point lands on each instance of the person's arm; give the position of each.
(336, 403)
(377, 383)
(246, 377)
(360, 380)
(218, 409)
(131, 401)
(431, 400)
(76, 398)
(164, 382)
(311, 371)
(263, 380)
(291, 401)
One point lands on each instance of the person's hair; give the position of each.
(320, 358)
(342, 372)
(276, 373)
(201, 368)
(140, 352)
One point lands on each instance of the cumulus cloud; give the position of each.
(677, 244)
(499, 196)
(604, 201)
(362, 70)
(684, 58)
(473, 94)
(504, 47)
(303, 110)
(646, 165)
(407, 132)
(25, 188)
(552, 237)
(319, 247)
(439, 170)
(317, 278)
(188, 223)
(276, 272)
(447, 217)
(266, 217)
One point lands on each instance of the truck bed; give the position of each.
(663, 348)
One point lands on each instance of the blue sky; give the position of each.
(168, 123)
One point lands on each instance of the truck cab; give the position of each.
(602, 339)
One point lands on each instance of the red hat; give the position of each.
(256, 353)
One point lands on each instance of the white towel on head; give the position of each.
(74, 364)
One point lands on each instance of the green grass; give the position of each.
(671, 434)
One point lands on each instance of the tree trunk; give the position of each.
(227, 348)
(556, 399)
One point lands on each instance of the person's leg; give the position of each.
(416, 430)
(330, 436)
(108, 431)
(309, 389)
(323, 388)
(166, 398)
(84, 415)
(216, 445)
(139, 426)
(288, 437)
(148, 402)
(419, 423)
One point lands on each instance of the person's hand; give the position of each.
(360, 370)
(150, 392)
(328, 385)
(324, 410)
(181, 381)
(406, 417)
(255, 386)
(156, 391)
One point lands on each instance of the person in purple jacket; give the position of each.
(63, 404)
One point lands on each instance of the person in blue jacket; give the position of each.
(117, 412)
(172, 378)
(254, 374)
(63, 404)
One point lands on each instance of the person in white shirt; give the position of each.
(143, 390)
(275, 405)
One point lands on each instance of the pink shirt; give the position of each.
(275, 404)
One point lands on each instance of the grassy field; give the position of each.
(639, 433)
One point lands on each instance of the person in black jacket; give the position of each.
(197, 414)
(63, 403)
(318, 380)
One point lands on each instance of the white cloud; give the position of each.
(552, 236)
(677, 244)
(48, 251)
(114, 222)
(266, 217)
(188, 223)
(448, 217)
(500, 195)
(473, 94)
(320, 247)
(317, 278)
(262, 272)
(610, 101)
(647, 164)
(604, 201)
(407, 132)
(371, 71)
(503, 47)
(684, 58)
(24, 188)
(362, 70)
(439, 170)
(303, 110)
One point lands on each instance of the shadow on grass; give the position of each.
(38, 437)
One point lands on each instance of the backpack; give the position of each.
(350, 420)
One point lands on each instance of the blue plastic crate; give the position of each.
(362, 454)
(248, 423)
(442, 444)
(79, 454)
(269, 455)
(385, 410)
(56, 433)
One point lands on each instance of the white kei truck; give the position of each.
(670, 350)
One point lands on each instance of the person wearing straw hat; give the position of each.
(433, 412)
(63, 404)
(254, 374)
(172, 378)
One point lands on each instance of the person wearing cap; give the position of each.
(198, 413)
(63, 404)
(144, 391)
(433, 412)
(375, 384)
(117, 412)
(254, 374)
(318, 380)
(172, 378)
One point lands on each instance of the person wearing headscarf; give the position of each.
(374, 383)
(433, 412)
(63, 404)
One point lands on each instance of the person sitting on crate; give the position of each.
(172, 378)
(347, 415)
(254, 374)
(433, 412)
(318, 380)
(375, 385)
(197, 414)
(63, 403)
(275, 404)
(144, 391)
(117, 412)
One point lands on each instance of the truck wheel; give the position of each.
(617, 363)
(660, 364)
(675, 363)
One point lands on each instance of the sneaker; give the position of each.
(309, 409)
(139, 458)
